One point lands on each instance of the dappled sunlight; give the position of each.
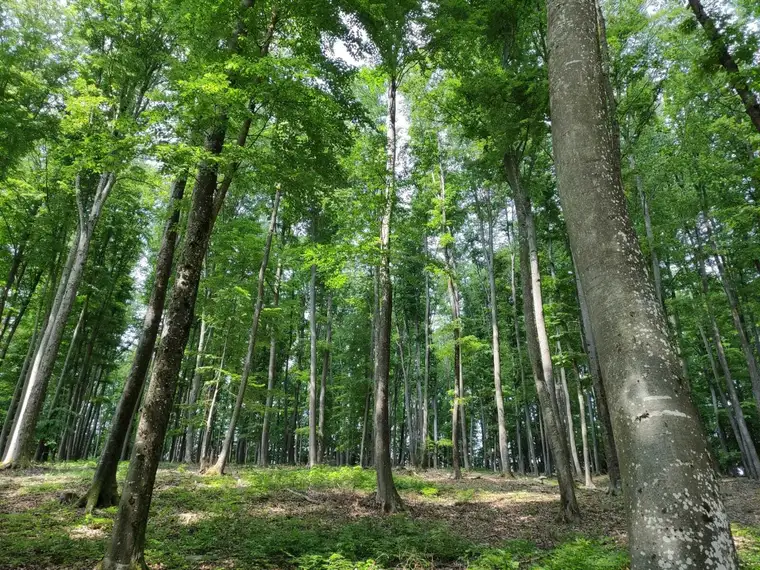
(85, 532)
(193, 517)
(291, 518)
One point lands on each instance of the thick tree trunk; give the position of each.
(664, 454)
(221, 462)
(263, 460)
(21, 443)
(125, 550)
(387, 497)
(538, 343)
(103, 491)
(742, 87)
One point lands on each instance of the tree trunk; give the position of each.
(21, 445)
(19, 316)
(718, 429)
(204, 453)
(313, 459)
(742, 87)
(748, 465)
(569, 424)
(504, 462)
(746, 445)
(271, 374)
(323, 382)
(195, 390)
(218, 468)
(538, 342)
(655, 261)
(103, 491)
(458, 421)
(523, 382)
(584, 437)
(125, 550)
(664, 454)
(608, 439)
(736, 316)
(21, 382)
(423, 460)
(592, 423)
(387, 496)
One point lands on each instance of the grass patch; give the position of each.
(319, 519)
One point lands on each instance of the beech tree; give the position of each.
(626, 320)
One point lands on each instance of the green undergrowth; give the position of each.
(281, 518)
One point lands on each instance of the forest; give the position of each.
(365, 284)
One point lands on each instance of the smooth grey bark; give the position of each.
(21, 382)
(313, 459)
(584, 437)
(423, 454)
(221, 462)
(504, 461)
(103, 492)
(592, 424)
(263, 458)
(676, 511)
(407, 426)
(21, 443)
(323, 383)
(518, 346)
(457, 422)
(569, 423)
(538, 343)
(195, 390)
(204, 454)
(72, 344)
(387, 496)
(600, 397)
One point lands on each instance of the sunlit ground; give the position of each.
(325, 519)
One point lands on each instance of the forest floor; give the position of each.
(324, 519)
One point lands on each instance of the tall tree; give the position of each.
(640, 367)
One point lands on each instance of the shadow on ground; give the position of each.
(326, 519)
